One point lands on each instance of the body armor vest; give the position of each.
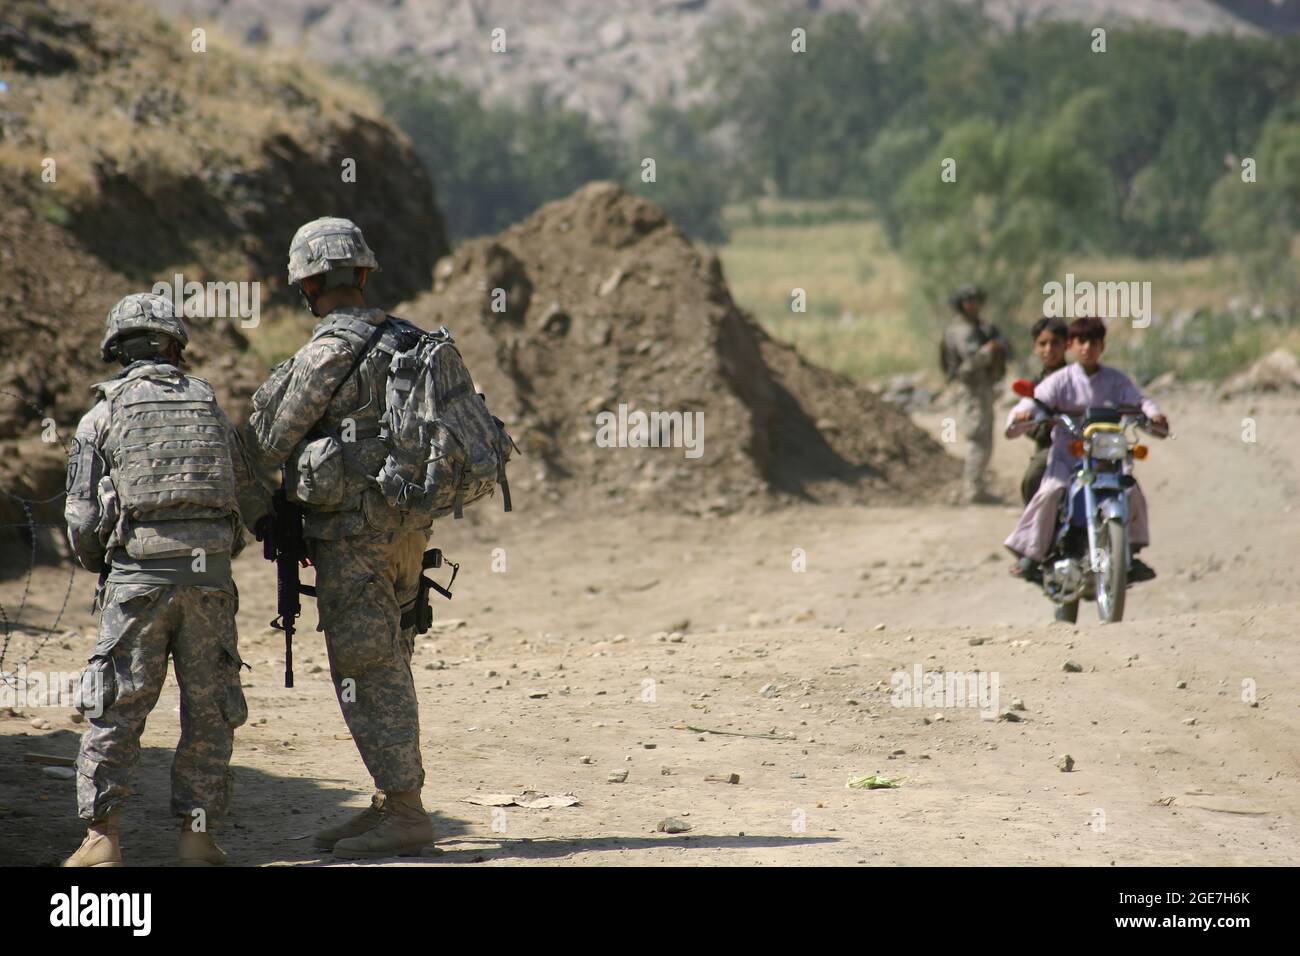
(170, 464)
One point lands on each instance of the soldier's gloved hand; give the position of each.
(262, 529)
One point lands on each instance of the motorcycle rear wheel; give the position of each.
(1113, 582)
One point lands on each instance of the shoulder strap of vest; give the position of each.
(356, 328)
(375, 334)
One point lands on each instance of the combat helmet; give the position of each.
(966, 292)
(140, 312)
(325, 244)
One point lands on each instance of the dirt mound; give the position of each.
(127, 157)
(1278, 371)
(596, 308)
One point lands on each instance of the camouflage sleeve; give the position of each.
(286, 412)
(87, 464)
(972, 364)
(253, 496)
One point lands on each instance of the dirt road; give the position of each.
(605, 634)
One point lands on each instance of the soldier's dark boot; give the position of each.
(404, 830)
(353, 826)
(101, 847)
(199, 849)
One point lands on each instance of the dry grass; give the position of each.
(864, 320)
(859, 320)
(156, 108)
(281, 332)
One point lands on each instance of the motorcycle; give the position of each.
(1089, 558)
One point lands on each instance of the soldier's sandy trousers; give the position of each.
(362, 585)
(977, 427)
(139, 627)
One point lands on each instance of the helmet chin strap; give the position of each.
(308, 299)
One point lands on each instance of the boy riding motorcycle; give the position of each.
(1080, 385)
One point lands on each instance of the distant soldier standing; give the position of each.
(975, 354)
(320, 412)
(157, 488)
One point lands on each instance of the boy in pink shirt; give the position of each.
(1080, 385)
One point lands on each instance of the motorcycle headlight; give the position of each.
(1109, 446)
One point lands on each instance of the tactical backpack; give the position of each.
(445, 449)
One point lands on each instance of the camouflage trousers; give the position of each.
(363, 584)
(140, 627)
(977, 428)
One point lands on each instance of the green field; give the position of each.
(864, 320)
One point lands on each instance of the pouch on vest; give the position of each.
(319, 473)
(168, 539)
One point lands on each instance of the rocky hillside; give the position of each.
(607, 58)
(126, 157)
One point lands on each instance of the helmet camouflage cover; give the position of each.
(325, 244)
(141, 312)
(965, 293)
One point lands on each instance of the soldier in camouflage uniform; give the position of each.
(975, 354)
(156, 491)
(318, 417)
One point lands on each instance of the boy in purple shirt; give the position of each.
(1079, 385)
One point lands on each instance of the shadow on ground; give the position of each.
(272, 820)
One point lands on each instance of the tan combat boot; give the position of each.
(354, 825)
(404, 830)
(101, 847)
(199, 849)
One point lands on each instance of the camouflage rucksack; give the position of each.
(445, 449)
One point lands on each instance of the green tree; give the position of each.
(692, 179)
(1256, 222)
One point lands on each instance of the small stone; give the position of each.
(1070, 667)
(617, 776)
(1017, 704)
(879, 627)
(536, 695)
(1065, 763)
(649, 746)
(1181, 685)
(977, 641)
(722, 778)
(585, 758)
(673, 825)
(1189, 721)
(797, 775)
(1010, 716)
(767, 690)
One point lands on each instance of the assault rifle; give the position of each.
(282, 542)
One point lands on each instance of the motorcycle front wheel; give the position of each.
(1112, 579)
